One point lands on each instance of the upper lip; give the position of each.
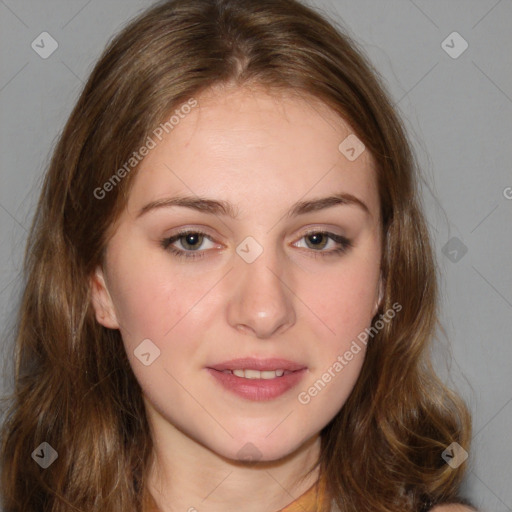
(250, 363)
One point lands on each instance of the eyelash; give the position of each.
(344, 245)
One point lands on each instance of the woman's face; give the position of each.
(253, 280)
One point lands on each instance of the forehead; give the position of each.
(252, 145)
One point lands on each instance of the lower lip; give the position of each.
(258, 389)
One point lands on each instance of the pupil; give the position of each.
(316, 240)
(190, 239)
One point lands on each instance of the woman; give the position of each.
(230, 287)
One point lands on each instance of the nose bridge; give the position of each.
(261, 301)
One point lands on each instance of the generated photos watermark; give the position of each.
(151, 143)
(304, 397)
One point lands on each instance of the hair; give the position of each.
(74, 387)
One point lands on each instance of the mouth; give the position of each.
(258, 379)
(258, 365)
(257, 374)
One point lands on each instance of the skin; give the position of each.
(262, 153)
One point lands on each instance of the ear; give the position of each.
(102, 302)
(378, 301)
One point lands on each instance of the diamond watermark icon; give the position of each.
(454, 455)
(44, 455)
(249, 249)
(351, 147)
(44, 45)
(454, 45)
(146, 352)
(454, 250)
(249, 453)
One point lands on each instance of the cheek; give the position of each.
(346, 299)
(344, 302)
(169, 312)
(150, 294)
(343, 298)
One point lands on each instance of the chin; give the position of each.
(253, 448)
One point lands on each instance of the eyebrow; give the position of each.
(219, 207)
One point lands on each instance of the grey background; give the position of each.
(459, 116)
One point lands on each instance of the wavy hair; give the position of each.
(74, 387)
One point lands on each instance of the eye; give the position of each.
(318, 240)
(190, 241)
(192, 244)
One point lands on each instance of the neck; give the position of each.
(187, 476)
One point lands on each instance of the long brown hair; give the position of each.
(74, 387)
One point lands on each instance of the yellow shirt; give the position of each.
(313, 500)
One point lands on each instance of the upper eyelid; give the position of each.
(205, 231)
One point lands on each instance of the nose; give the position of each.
(262, 300)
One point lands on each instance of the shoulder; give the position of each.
(452, 507)
(448, 507)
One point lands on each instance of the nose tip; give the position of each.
(261, 304)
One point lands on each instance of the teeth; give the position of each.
(256, 374)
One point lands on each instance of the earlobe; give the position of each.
(101, 301)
